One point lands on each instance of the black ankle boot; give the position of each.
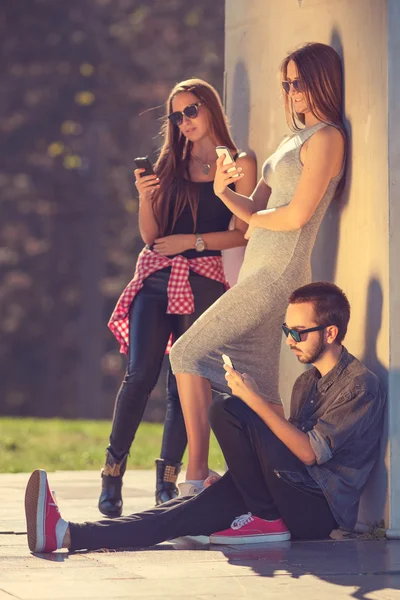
(167, 474)
(110, 501)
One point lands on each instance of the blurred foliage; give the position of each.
(78, 80)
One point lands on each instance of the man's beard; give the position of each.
(308, 359)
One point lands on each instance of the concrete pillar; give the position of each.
(358, 246)
(394, 260)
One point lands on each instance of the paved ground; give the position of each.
(333, 569)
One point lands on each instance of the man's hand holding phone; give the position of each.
(146, 180)
(226, 172)
(241, 384)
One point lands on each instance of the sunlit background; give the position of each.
(78, 81)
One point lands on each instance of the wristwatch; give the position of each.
(199, 243)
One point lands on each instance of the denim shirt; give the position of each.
(342, 413)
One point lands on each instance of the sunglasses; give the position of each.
(190, 112)
(296, 83)
(296, 335)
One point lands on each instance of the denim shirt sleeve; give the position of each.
(346, 419)
(320, 446)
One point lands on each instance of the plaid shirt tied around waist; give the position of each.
(180, 295)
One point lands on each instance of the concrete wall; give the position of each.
(394, 257)
(352, 248)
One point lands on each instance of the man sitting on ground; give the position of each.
(301, 477)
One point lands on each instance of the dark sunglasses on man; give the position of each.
(296, 335)
(296, 83)
(190, 112)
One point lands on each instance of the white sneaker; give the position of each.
(188, 489)
(211, 479)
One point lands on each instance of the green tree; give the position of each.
(79, 78)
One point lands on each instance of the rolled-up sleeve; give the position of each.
(320, 446)
(346, 419)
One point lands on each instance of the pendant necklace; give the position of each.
(205, 167)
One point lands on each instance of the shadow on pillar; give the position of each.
(327, 242)
(240, 113)
(373, 501)
(239, 116)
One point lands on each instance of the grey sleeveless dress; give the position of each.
(245, 323)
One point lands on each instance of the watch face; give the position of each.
(200, 245)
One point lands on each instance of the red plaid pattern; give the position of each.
(180, 295)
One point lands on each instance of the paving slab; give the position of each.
(340, 567)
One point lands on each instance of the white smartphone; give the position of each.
(220, 150)
(227, 361)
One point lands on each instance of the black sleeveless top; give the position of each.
(212, 215)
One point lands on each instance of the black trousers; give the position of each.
(255, 458)
(150, 328)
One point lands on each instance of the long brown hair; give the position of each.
(320, 70)
(176, 190)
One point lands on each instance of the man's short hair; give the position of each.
(330, 304)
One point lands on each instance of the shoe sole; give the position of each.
(111, 515)
(251, 539)
(34, 507)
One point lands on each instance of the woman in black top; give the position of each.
(185, 227)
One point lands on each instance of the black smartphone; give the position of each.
(143, 162)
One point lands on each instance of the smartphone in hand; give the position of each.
(227, 361)
(220, 150)
(143, 162)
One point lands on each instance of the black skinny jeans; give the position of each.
(253, 454)
(149, 329)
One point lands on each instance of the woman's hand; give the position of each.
(174, 244)
(146, 186)
(249, 231)
(222, 178)
(241, 385)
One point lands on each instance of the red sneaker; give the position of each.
(247, 529)
(42, 514)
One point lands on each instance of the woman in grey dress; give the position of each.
(284, 214)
